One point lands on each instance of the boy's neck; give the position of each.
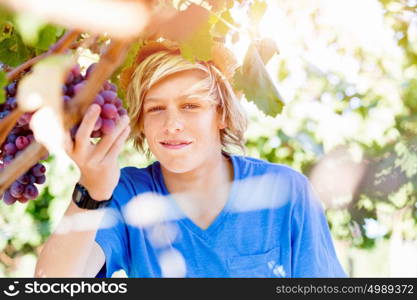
(202, 193)
(211, 174)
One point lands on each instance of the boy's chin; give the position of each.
(178, 165)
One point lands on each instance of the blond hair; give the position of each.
(164, 63)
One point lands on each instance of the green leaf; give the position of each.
(130, 57)
(220, 28)
(47, 37)
(6, 30)
(3, 83)
(283, 71)
(253, 79)
(6, 24)
(257, 10)
(132, 53)
(198, 47)
(13, 52)
(266, 48)
(29, 27)
(59, 31)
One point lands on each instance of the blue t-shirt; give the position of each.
(272, 225)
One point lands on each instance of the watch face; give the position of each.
(77, 195)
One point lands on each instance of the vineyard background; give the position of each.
(347, 73)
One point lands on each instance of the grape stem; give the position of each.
(7, 124)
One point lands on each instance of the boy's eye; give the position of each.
(190, 106)
(155, 108)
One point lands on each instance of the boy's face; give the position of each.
(182, 132)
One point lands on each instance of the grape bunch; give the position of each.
(24, 188)
(110, 103)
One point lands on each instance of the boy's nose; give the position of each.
(173, 123)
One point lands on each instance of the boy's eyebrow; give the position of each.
(186, 94)
(152, 99)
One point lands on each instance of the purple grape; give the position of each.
(11, 138)
(23, 199)
(108, 96)
(96, 134)
(73, 131)
(108, 111)
(30, 137)
(76, 70)
(11, 103)
(108, 86)
(99, 100)
(8, 198)
(17, 189)
(116, 118)
(70, 78)
(24, 119)
(11, 89)
(24, 179)
(121, 111)
(118, 103)
(4, 114)
(32, 178)
(98, 124)
(40, 179)
(78, 87)
(90, 70)
(10, 148)
(66, 98)
(38, 169)
(7, 160)
(17, 131)
(64, 89)
(70, 91)
(77, 79)
(108, 126)
(22, 142)
(31, 191)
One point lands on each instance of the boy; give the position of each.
(198, 211)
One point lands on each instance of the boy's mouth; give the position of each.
(174, 144)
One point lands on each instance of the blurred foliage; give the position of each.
(349, 84)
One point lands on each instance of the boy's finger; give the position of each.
(82, 137)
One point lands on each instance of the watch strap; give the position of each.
(82, 199)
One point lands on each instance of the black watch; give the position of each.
(82, 199)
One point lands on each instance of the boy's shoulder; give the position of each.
(264, 184)
(251, 166)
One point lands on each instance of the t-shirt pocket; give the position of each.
(262, 265)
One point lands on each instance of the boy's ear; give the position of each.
(222, 124)
(222, 120)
